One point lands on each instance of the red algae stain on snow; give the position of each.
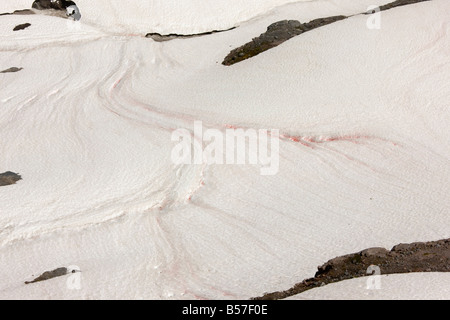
(310, 141)
(117, 83)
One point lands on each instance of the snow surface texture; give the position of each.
(87, 122)
(165, 16)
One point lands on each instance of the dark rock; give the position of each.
(69, 7)
(24, 12)
(55, 5)
(22, 26)
(9, 178)
(317, 23)
(284, 30)
(50, 275)
(392, 5)
(13, 69)
(19, 12)
(276, 34)
(400, 3)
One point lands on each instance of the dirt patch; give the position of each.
(403, 258)
(9, 178)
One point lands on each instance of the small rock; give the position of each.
(13, 69)
(9, 178)
(49, 275)
(21, 26)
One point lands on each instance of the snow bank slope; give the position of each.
(168, 16)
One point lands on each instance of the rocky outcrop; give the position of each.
(276, 34)
(400, 3)
(403, 258)
(48, 4)
(9, 178)
(69, 7)
(281, 31)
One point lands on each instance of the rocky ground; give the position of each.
(281, 31)
(403, 258)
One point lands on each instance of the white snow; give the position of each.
(165, 16)
(364, 158)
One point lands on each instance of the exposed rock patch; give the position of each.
(22, 26)
(50, 275)
(68, 7)
(281, 31)
(60, 272)
(160, 37)
(9, 178)
(10, 70)
(47, 4)
(276, 34)
(399, 3)
(403, 258)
